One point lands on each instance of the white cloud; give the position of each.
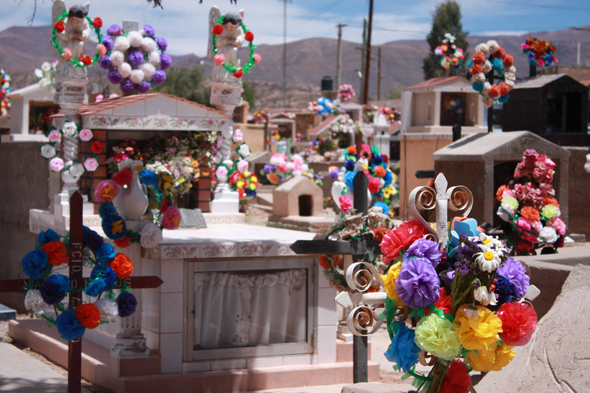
(502, 32)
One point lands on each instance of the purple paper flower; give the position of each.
(114, 30)
(108, 43)
(114, 77)
(165, 61)
(144, 87)
(162, 43)
(269, 168)
(424, 248)
(418, 284)
(127, 87)
(126, 304)
(516, 273)
(334, 174)
(105, 62)
(149, 30)
(135, 58)
(159, 77)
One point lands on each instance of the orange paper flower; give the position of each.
(324, 262)
(530, 213)
(88, 315)
(379, 171)
(56, 252)
(500, 192)
(122, 265)
(551, 201)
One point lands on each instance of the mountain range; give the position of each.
(22, 49)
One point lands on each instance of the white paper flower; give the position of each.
(108, 309)
(487, 66)
(135, 38)
(117, 58)
(136, 76)
(124, 70)
(512, 69)
(548, 234)
(244, 150)
(122, 44)
(505, 212)
(482, 48)
(486, 88)
(148, 44)
(48, 151)
(69, 129)
(38, 73)
(510, 84)
(488, 101)
(494, 46)
(68, 177)
(46, 66)
(154, 57)
(77, 169)
(151, 236)
(34, 301)
(148, 70)
(480, 78)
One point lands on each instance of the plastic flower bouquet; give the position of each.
(280, 168)
(529, 209)
(464, 309)
(539, 53)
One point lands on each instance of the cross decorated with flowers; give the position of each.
(78, 283)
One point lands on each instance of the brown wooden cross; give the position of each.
(78, 282)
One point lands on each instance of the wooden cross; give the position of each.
(78, 282)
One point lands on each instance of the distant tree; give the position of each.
(250, 95)
(393, 94)
(446, 19)
(186, 83)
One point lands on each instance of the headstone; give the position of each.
(192, 218)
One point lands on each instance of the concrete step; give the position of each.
(265, 199)
(266, 208)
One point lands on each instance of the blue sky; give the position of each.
(184, 22)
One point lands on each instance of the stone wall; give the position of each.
(579, 192)
(23, 185)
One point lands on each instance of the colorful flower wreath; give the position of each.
(44, 289)
(243, 181)
(448, 54)
(4, 90)
(132, 57)
(392, 115)
(50, 151)
(346, 93)
(501, 62)
(84, 60)
(219, 59)
(113, 225)
(539, 52)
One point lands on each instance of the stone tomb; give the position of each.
(484, 162)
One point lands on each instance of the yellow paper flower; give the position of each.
(494, 360)
(389, 280)
(510, 201)
(549, 211)
(437, 336)
(477, 330)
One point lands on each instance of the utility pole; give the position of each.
(285, 51)
(339, 56)
(368, 55)
(363, 61)
(379, 76)
(578, 53)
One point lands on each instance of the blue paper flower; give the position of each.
(388, 178)
(403, 349)
(348, 179)
(383, 206)
(106, 209)
(469, 63)
(114, 226)
(504, 292)
(95, 287)
(47, 236)
(107, 274)
(91, 239)
(377, 160)
(478, 86)
(34, 263)
(149, 178)
(497, 65)
(349, 165)
(54, 289)
(126, 303)
(68, 325)
(105, 253)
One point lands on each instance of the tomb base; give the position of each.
(225, 201)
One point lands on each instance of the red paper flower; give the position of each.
(500, 53)
(476, 69)
(494, 91)
(324, 262)
(457, 379)
(500, 192)
(123, 242)
(57, 253)
(519, 321)
(59, 26)
(504, 89)
(121, 265)
(96, 147)
(374, 185)
(217, 29)
(123, 178)
(401, 238)
(97, 22)
(164, 206)
(239, 73)
(86, 60)
(249, 36)
(478, 58)
(508, 60)
(88, 315)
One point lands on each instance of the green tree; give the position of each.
(186, 83)
(250, 95)
(446, 19)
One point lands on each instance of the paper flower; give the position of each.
(243, 150)
(88, 315)
(123, 177)
(95, 288)
(549, 235)
(424, 248)
(68, 325)
(399, 238)
(34, 301)
(114, 226)
(106, 191)
(108, 309)
(516, 273)
(54, 136)
(47, 236)
(219, 59)
(121, 265)
(91, 164)
(418, 284)
(55, 288)
(123, 242)
(69, 129)
(56, 164)
(126, 304)
(519, 321)
(151, 236)
(149, 178)
(48, 151)
(172, 218)
(77, 169)
(389, 283)
(86, 135)
(457, 379)
(477, 330)
(106, 253)
(242, 166)
(437, 336)
(57, 253)
(345, 203)
(493, 360)
(403, 350)
(34, 264)
(238, 136)
(105, 273)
